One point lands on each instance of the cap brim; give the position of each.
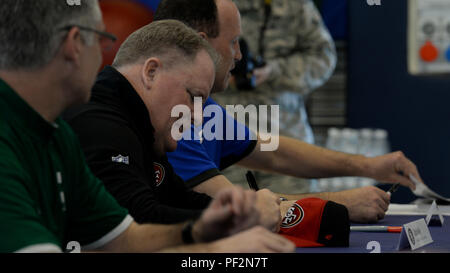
(299, 242)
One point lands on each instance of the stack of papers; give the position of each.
(414, 209)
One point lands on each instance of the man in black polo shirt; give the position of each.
(124, 140)
(126, 128)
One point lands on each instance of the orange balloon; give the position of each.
(122, 17)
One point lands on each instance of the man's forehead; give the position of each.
(192, 68)
(228, 12)
(229, 18)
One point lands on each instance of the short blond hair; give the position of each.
(170, 40)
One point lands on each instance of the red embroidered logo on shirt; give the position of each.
(159, 173)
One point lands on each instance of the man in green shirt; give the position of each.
(47, 196)
(49, 56)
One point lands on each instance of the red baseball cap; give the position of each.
(314, 222)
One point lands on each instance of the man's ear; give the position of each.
(71, 46)
(203, 35)
(149, 71)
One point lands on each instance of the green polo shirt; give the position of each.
(48, 195)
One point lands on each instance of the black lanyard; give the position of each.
(267, 14)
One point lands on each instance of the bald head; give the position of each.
(218, 21)
(201, 15)
(227, 42)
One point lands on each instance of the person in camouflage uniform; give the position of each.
(300, 56)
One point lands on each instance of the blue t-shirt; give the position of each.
(224, 142)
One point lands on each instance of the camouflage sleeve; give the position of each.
(309, 57)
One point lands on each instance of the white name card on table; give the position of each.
(434, 216)
(414, 235)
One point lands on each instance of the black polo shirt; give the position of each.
(117, 138)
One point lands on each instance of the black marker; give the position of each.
(252, 183)
(393, 188)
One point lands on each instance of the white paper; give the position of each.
(415, 235)
(414, 209)
(423, 191)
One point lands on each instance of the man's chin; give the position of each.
(171, 147)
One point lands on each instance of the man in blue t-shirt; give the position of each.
(208, 156)
(199, 162)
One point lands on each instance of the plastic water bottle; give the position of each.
(349, 141)
(349, 145)
(333, 139)
(365, 148)
(380, 146)
(365, 141)
(380, 143)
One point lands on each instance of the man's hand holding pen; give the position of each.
(267, 203)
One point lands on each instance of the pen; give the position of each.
(252, 183)
(391, 229)
(393, 188)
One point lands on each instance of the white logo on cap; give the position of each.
(294, 215)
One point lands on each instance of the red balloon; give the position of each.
(122, 17)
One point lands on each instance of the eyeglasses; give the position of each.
(106, 39)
